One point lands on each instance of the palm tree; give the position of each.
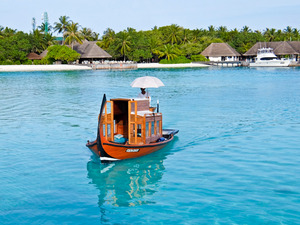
(43, 27)
(87, 33)
(169, 51)
(108, 38)
(246, 29)
(37, 41)
(73, 34)
(1, 29)
(95, 36)
(279, 35)
(48, 40)
(196, 34)
(223, 33)
(296, 34)
(153, 45)
(288, 32)
(245, 47)
(222, 29)
(124, 43)
(130, 30)
(61, 26)
(186, 36)
(174, 34)
(8, 32)
(154, 28)
(269, 34)
(211, 30)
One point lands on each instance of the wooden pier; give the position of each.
(225, 63)
(114, 66)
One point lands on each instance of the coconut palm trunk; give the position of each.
(73, 34)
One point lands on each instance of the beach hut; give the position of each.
(280, 48)
(33, 56)
(90, 52)
(221, 52)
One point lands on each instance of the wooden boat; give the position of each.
(129, 128)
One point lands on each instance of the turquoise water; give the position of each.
(235, 160)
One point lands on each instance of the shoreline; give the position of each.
(29, 68)
(66, 67)
(180, 65)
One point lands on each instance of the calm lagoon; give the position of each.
(236, 159)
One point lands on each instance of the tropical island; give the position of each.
(166, 44)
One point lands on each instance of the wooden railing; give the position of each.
(109, 121)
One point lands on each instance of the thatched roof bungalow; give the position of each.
(221, 52)
(90, 51)
(280, 48)
(34, 56)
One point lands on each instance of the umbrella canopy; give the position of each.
(147, 82)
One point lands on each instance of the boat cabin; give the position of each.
(131, 121)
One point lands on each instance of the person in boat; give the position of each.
(144, 94)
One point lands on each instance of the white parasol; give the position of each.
(147, 82)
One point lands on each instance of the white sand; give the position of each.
(64, 67)
(157, 65)
(59, 67)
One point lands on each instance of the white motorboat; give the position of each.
(267, 58)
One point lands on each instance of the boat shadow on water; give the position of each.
(130, 182)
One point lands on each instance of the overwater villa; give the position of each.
(282, 49)
(221, 52)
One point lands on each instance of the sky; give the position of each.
(144, 15)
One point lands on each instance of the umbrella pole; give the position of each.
(149, 97)
(157, 106)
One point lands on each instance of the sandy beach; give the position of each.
(157, 65)
(25, 68)
(59, 67)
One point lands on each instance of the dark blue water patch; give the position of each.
(235, 160)
(287, 192)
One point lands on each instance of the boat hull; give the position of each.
(114, 151)
(270, 64)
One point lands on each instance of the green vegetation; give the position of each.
(170, 42)
(61, 53)
(15, 45)
(199, 58)
(72, 34)
(166, 44)
(179, 59)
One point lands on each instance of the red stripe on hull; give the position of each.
(119, 151)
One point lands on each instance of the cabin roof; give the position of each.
(90, 50)
(219, 49)
(129, 99)
(120, 99)
(279, 47)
